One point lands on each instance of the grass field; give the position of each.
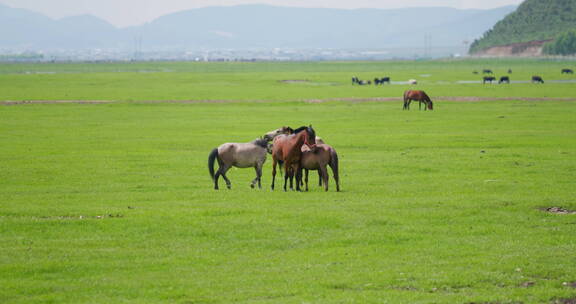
(109, 203)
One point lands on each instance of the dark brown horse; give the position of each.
(287, 150)
(419, 96)
(317, 159)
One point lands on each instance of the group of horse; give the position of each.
(293, 150)
(506, 79)
(377, 81)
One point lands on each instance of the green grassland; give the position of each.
(109, 203)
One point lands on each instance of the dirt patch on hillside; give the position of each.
(524, 49)
(347, 99)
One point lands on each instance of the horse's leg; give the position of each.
(224, 170)
(298, 171)
(306, 179)
(273, 171)
(319, 178)
(259, 174)
(324, 174)
(255, 180)
(286, 175)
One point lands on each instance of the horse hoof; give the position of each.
(252, 186)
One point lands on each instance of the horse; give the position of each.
(488, 79)
(385, 80)
(537, 79)
(239, 155)
(420, 96)
(505, 79)
(280, 131)
(567, 71)
(287, 150)
(317, 159)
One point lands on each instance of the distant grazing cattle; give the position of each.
(487, 71)
(412, 81)
(567, 71)
(488, 79)
(505, 79)
(382, 80)
(474, 72)
(537, 79)
(509, 71)
(357, 81)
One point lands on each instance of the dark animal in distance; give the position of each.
(509, 71)
(419, 96)
(356, 80)
(474, 72)
(488, 79)
(382, 80)
(487, 71)
(567, 71)
(240, 155)
(505, 79)
(537, 79)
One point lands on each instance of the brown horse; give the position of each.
(287, 150)
(419, 96)
(317, 159)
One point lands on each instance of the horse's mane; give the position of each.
(300, 129)
(261, 142)
(310, 130)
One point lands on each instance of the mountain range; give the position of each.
(254, 26)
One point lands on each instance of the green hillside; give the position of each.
(533, 20)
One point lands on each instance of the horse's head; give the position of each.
(430, 105)
(262, 142)
(310, 140)
(284, 130)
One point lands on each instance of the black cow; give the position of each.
(505, 79)
(537, 79)
(487, 71)
(567, 71)
(489, 79)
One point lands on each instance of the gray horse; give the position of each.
(240, 155)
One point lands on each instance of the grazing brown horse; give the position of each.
(419, 96)
(317, 159)
(287, 150)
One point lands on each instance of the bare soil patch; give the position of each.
(558, 210)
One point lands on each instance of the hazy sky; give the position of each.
(134, 12)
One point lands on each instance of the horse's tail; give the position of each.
(211, 158)
(334, 165)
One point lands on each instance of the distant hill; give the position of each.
(534, 22)
(254, 26)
